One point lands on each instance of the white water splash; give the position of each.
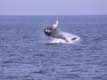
(69, 38)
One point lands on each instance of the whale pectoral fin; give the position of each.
(55, 25)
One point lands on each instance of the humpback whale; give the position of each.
(53, 31)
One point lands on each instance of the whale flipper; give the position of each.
(55, 25)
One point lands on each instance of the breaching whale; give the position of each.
(54, 32)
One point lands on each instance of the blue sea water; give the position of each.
(24, 55)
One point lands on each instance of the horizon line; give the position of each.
(53, 15)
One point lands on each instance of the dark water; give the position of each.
(25, 56)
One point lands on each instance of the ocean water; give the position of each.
(25, 55)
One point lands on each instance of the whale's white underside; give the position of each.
(68, 36)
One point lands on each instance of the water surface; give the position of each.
(25, 56)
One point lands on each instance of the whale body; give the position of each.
(57, 36)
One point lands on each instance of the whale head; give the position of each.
(48, 31)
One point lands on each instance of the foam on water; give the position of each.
(69, 37)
